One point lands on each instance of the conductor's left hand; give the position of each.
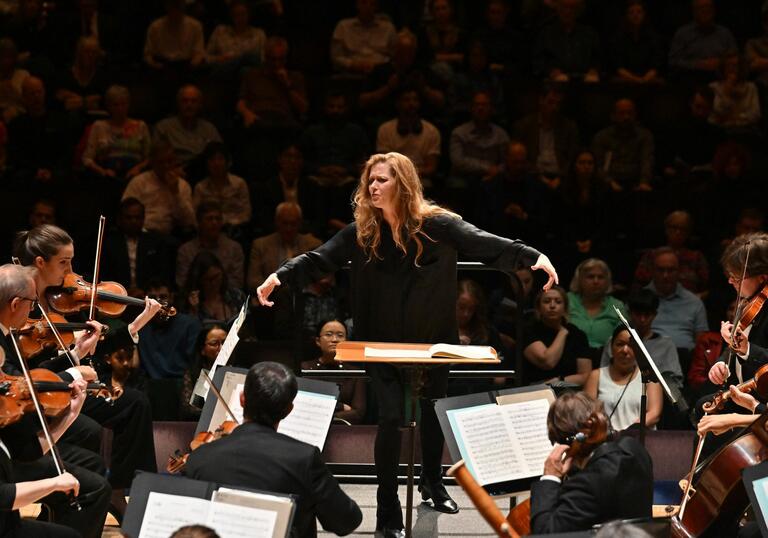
(544, 264)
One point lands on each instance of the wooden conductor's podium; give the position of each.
(415, 363)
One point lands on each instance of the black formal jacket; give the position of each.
(153, 258)
(258, 457)
(617, 483)
(758, 348)
(393, 298)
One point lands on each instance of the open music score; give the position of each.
(400, 353)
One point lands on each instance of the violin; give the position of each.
(718, 497)
(177, 462)
(594, 433)
(759, 383)
(36, 335)
(74, 295)
(751, 308)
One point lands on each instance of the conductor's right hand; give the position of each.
(66, 482)
(263, 292)
(718, 373)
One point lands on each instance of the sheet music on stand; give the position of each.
(229, 344)
(647, 356)
(161, 504)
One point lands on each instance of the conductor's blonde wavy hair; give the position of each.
(410, 207)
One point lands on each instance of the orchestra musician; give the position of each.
(609, 480)
(49, 250)
(403, 251)
(255, 455)
(22, 445)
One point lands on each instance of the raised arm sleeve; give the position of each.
(325, 259)
(474, 244)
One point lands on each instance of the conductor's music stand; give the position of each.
(349, 351)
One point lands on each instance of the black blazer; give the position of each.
(617, 483)
(758, 348)
(153, 258)
(258, 457)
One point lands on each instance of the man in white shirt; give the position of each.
(361, 43)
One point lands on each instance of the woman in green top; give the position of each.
(590, 305)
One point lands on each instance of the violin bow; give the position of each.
(51, 326)
(219, 396)
(57, 460)
(96, 266)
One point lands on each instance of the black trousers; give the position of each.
(94, 489)
(39, 529)
(387, 382)
(133, 445)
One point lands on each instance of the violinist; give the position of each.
(22, 445)
(50, 250)
(602, 481)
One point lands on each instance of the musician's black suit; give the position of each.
(258, 457)
(616, 483)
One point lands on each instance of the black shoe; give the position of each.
(436, 491)
(390, 533)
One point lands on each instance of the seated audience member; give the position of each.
(511, 307)
(404, 71)
(187, 132)
(207, 347)
(689, 145)
(210, 295)
(210, 238)
(351, 404)
(269, 252)
(619, 385)
(133, 255)
(221, 187)
(756, 51)
(566, 48)
(613, 480)
(643, 306)
(322, 300)
(11, 79)
(737, 103)
(709, 347)
(697, 47)
(361, 43)
(117, 147)
(80, 86)
(625, 150)
(503, 44)
(636, 50)
(40, 141)
(478, 147)
(164, 193)
(478, 76)
(682, 315)
(31, 29)
(409, 134)
(693, 272)
(238, 44)
(254, 455)
(292, 185)
(554, 349)
(174, 39)
(551, 138)
(87, 20)
(273, 95)
(590, 305)
(166, 344)
(444, 40)
(335, 148)
(43, 212)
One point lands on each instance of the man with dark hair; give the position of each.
(607, 479)
(256, 456)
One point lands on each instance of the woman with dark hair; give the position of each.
(619, 386)
(227, 190)
(208, 293)
(351, 405)
(403, 251)
(636, 51)
(207, 347)
(553, 348)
